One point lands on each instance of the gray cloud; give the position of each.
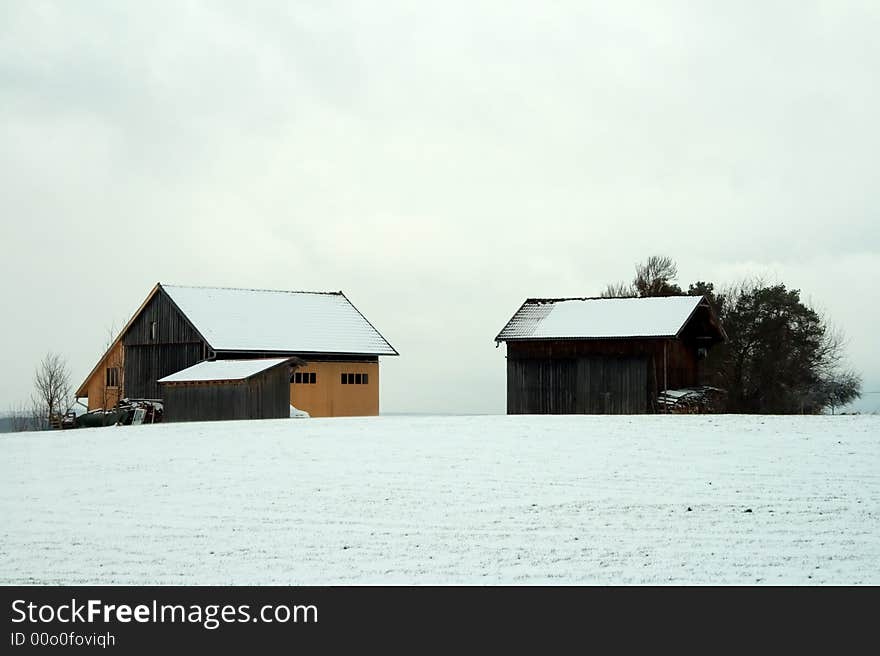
(438, 162)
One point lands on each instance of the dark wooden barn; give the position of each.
(605, 356)
(229, 389)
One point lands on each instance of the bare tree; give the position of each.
(655, 276)
(840, 388)
(619, 290)
(114, 382)
(23, 419)
(837, 383)
(52, 392)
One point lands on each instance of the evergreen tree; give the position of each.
(780, 356)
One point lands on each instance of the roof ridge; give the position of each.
(254, 289)
(605, 298)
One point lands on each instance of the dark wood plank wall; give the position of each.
(683, 368)
(542, 386)
(264, 396)
(703, 328)
(590, 385)
(595, 376)
(177, 347)
(613, 385)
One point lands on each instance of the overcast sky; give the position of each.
(437, 161)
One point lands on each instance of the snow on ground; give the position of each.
(578, 499)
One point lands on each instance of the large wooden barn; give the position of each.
(337, 349)
(605, 356)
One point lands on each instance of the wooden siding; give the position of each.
(683, 367)
(595, 385)
(263, 396)
(597, 376)
(177, 346)
(328, 397)
(99, 395)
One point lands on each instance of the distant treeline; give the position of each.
(7, 424)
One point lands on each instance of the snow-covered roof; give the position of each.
(263, 320)
(222, 370)
(598, 318)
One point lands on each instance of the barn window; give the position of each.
(354, 379)
(357, 379)
(112, 376)
(313, 377)
(154, 331)
(344, 379)
(305, 378)
(351, 379)
(364, 379)
(297, 377)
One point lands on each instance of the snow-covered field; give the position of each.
(655, 499)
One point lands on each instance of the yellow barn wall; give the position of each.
(328, 397)
(99, 395)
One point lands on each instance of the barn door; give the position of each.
(542, 386)
(608, 385)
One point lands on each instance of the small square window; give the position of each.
(365, 379)
(344, 379)
(313, 377)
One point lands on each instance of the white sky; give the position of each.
(439, 162)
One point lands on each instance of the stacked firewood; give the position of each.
(691, 400)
